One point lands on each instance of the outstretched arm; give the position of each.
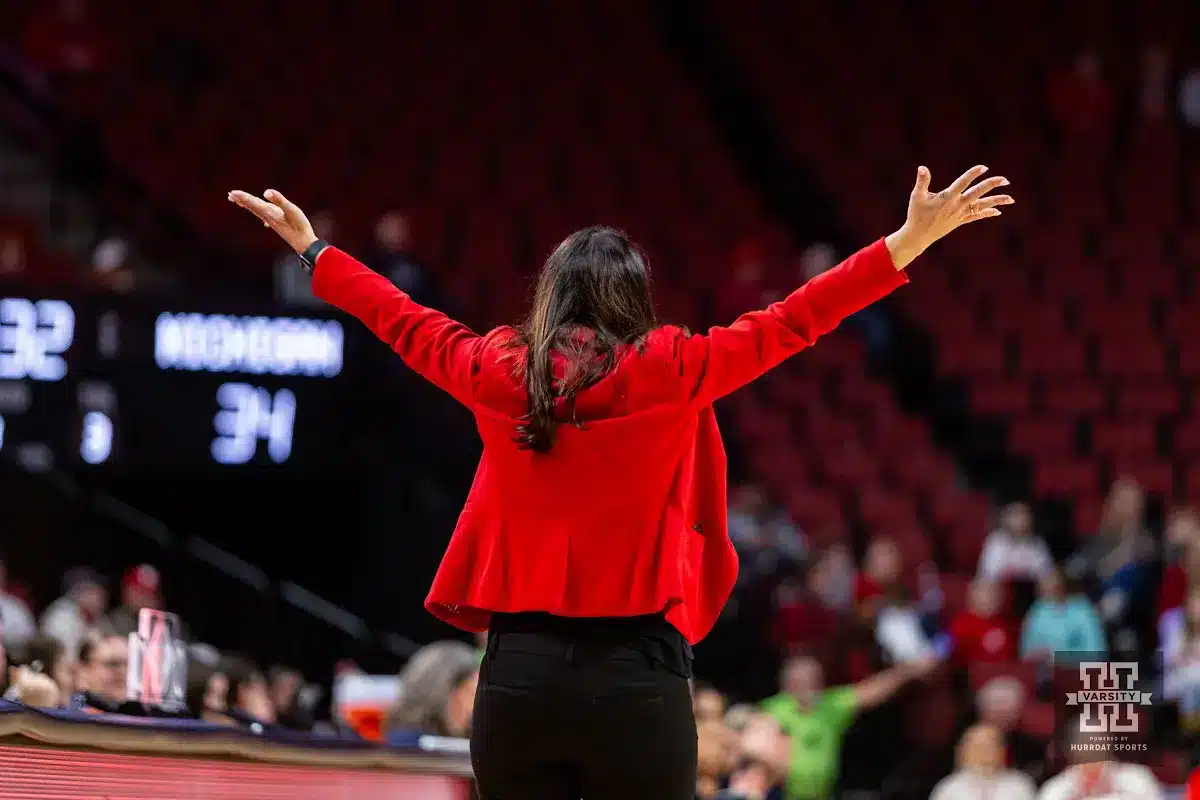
(435, 346)
(730, 357)
(879, 688)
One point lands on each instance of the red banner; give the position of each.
(27, 773)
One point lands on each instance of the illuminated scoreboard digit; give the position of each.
(249, 415)
(34, 335)
(103, 381)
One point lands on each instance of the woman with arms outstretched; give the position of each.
(593, 544)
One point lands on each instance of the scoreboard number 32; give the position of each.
(33, 338)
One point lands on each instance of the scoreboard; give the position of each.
(98, 381)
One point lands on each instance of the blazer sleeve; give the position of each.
(441, 350)
(726, 359)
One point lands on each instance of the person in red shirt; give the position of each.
(1182, 536)
(879, 577)
(593, 542)
(983, 633)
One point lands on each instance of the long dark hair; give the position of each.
(593, 297)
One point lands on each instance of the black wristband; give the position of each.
(308, 259)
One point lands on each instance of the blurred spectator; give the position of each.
(707, 702)
(761, 767)
(141, 587)
(69, 618)
(293, 287)
(803, 618)
(35, 690)
(765, 538)
(1080, 100)
(1156, 77)
(1094, 772)
(290, 710)
(1000, 703)
(1117, 561)
(981, 770)
(983, 633)
(103, 666)
(207, 694)
(1181, 664)
(391, 255)
(110, 263)
(1059, 625)
(247, 698)
(815, 718)
(899, 630)
(746, 289)
(437, 693)
(1189, 97)
(45, 656)
(17, 624)
(872, 323)
(1013, 551)
(817, 259)
(882, 600)
(834, 578)
(12, 256)
(63, 39)
(880, 575)
(1181, 539)
(715, 750)
(1173, 621)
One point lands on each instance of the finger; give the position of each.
(991, 202)
(986, 213)
(983, 187)
(922, 185)
(270, 214)
(966, 179)
(289, 208)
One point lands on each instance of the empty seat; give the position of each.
(1042, 436)
(976, 357)
(1124, 437)
(1073, 397)
(1065, 477)
(1133, 357)
(999, 397)
(1053, 358)
(1148, 398)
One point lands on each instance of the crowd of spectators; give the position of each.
(77, 654)
(1000, 639)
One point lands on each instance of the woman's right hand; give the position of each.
(280, 215)
(932, 215)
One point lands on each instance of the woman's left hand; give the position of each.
(280, 215)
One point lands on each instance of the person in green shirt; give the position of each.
(816, 718)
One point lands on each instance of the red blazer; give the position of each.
(625, 516)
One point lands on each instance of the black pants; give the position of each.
(584, 709)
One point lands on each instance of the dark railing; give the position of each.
(54, 522)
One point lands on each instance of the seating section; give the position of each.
(500, 126)
(503, 126)
(1076, 323)
(829, 441)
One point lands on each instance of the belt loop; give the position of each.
(571, 653)
(489, 650)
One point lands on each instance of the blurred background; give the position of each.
(997, 464)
